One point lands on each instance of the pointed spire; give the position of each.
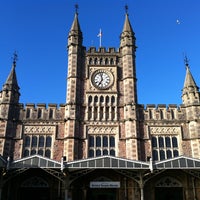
(127, 24)
(75, 30)
(189, 80)
(11, 82)
(75, 25)
(127, 37)
(190, 92)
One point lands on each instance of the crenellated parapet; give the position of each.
(164, 112)
(42, 111)
(102, 50)
(102, 56)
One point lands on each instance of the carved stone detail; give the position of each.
(168, 182)
(102, 130)
(35, 182)
(165, 130)
(40, 129)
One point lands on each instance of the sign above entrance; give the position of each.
(104, 184)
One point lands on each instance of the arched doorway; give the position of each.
(34, 188)
(101, 194)
(168, 188)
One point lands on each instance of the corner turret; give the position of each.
(10, 91)
(127, 50)
(190, 92)
(9, 112)
(75, 36)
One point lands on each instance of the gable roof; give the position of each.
(104, 162)
(107, 162)
(181, 162)
(35, 161)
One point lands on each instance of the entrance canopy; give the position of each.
(181, 162)
(102, 162)
(35, 161)
(107, 162)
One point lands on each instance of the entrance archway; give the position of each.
(168, 188)
(101, 194)
(34, 188)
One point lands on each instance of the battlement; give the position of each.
(102, 57)
(103, 50)
(42, 111)
(163, 112)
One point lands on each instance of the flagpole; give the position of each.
(100, 40)
(100, 37)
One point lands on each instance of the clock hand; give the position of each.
(101, 75)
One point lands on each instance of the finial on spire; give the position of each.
(186, 61)
(126, 9)
(15, 58)
(76, 8)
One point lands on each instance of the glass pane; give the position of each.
(98, 152)
(167, 142)
(90, 99)
(113, 99)
(154, 142)
(34, 141)
(26, 153)
(175, 153)
(91, 153)
(174, 142)
(101, 99)
(41, 141)
(162, 155)
(91, 141)
(98, 141)
(48, 141)
(40, 152)
(48, 153)
(33, 152)
(105, 152)
(161, 142)
(27, 141)
(155, 155)
(112, 152)
(169, 154)
(105, 141)
(112, 141)
(95, 99)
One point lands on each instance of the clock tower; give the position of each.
(101, 98)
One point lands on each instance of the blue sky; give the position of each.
(38, 30)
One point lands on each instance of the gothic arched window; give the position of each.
(101, 145)
(167, 148)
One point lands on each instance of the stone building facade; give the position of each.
(102, 143)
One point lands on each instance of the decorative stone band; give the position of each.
(39, 129)
(102, 130)
(164, 130)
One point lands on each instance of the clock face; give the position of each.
(101, 79)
